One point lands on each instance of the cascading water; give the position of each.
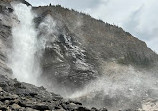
(24, 65)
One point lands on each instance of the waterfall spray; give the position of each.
(24, 65)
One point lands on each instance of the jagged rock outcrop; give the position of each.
(16, 96)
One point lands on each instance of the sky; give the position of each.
(139, 17)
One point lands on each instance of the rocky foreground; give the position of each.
(16, 96)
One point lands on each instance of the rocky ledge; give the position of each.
(17, 96)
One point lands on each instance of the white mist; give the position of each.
(24, 65)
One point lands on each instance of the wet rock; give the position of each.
(75, 102)
(41, 107)
(82, 109)
(57, 97)
(15, 106)
(103, 109)
(15, 96)
(30, 109)
(73, 106)
(59, 110)
(27, 97)
(1, 89)
(94, 109)
(69, 106)
(19, 85)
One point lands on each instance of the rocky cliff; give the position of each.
(75, 52)
(83, 43)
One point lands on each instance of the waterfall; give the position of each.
(24, 64)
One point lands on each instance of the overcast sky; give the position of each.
(139, 17)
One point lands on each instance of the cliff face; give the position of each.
(107, 41)
(83, 44)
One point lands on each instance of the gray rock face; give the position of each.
(65, 60)
(75, 52)
(5, 34)
(105, 40)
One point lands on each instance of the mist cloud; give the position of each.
(120, 87)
